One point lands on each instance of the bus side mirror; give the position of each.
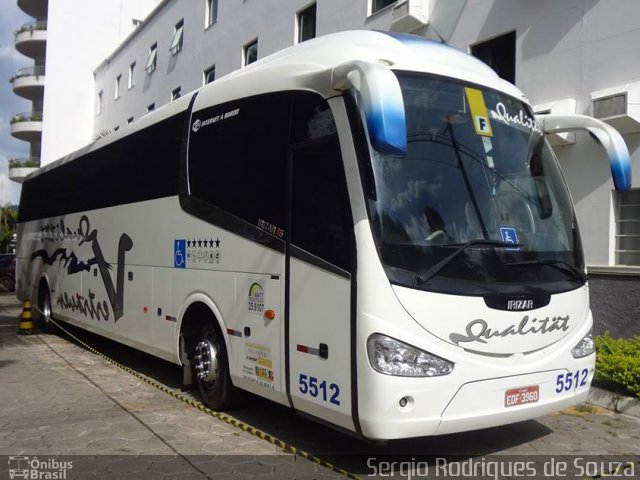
(606, 135)
(381, 100)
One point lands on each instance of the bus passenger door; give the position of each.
(320, 255)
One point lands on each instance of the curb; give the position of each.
(614, 401)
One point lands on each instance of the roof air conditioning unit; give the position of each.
(565, 106)
(619, 107)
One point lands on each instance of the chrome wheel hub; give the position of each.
(46, 312)
(206, 361)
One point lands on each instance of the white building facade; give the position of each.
(80, 34)
(217, 37)
(567, 56)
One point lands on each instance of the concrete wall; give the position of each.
(615, 305)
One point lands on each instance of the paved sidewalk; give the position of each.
(59, 399)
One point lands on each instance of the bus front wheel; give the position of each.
(211, 368)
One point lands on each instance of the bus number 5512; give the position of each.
(309, 386)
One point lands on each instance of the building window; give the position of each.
(209, 75)
(500, 54)
(211, 13)
(117, 89)
(627, 207)
(307, 23)
(250, 52)
(152, 58)
(99, 106)
(176, 43)
(151, 107)
(175, 93)
(380, 4)
(132, 69)
(129, 120)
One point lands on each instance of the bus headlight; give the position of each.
(585, 347)
(393, 357)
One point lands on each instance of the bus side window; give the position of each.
(139, 167)
(238, 159)
(321, 221)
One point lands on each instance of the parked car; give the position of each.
(7, 272)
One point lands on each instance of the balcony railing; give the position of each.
(31, 27)
(28, 82)
(26, 117)
(24, 163)
(19, 168)
(33, 71)
(31, 39)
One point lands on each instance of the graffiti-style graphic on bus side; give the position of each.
(84, 305)
(84, 234)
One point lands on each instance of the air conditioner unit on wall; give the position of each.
(566, 106)
(410, 15)
(618, 106)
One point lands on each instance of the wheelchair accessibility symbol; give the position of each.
(509, 235)
(180, 253)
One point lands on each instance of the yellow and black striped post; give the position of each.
(26, 324)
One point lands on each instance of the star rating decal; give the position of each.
(203, 243)
(203, 250)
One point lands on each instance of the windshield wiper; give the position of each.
(424, 276)
(557, 264)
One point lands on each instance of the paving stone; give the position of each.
(255, 468)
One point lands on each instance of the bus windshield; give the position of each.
(478, 205)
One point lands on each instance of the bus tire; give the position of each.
(7, 284)
(211, 368)
(44, 309)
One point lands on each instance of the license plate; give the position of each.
(521, 396)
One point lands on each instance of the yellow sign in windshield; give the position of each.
(479, 112)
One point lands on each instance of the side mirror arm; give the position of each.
(605, 134)
(381, 100)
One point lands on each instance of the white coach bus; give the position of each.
(369, 228)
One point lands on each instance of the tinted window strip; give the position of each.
(142, 166)
(227, 221)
